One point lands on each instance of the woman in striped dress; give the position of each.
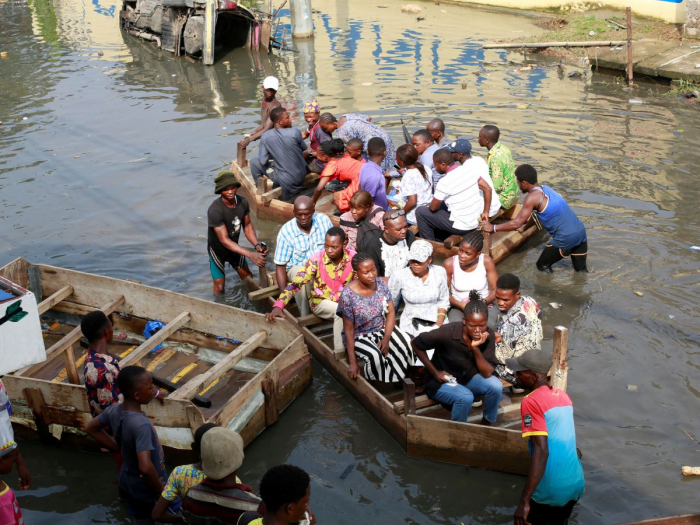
(370, 330)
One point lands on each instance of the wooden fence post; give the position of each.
(560, 368)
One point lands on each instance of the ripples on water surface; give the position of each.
(108, 149)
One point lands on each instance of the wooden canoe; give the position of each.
(266, 204)
(685, 519)
(418, 424)
(203, 374)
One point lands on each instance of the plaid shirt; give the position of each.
(294, 247)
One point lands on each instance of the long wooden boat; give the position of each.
(685, 519)
(421, 426)
(205, 374)
(266, 204)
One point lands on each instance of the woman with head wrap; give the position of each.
(315, 133)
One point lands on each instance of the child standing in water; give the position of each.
(10, 513)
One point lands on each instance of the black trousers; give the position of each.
(550, 255)
(547, 515)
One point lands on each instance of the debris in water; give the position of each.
(347, 471)
(419, 18)
(632, 388)
(697, 248)
(671, 316)
(636, 101)
(640, 294)
(382, 6)
(367, 83)
(555, 305)
(591, 33)
(4, 54)
(24, 118)
(411, 8)
(100, 54)
(575, 74)
(464, 85)
(76, 157)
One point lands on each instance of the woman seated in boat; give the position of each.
(362, 211)
(471, 270)
(314, 133)
(328, 271)
(341, 171)
(463, 363)
(423, 288)
(416, 187)
(369, 323)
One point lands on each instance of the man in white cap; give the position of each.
(220, 498)
(270, 87)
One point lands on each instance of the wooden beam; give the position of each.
(160, 336)
(56, 298)
(560, 368)
(68, 340)
(71, 369)
(241, 160)
(195, 384)
(409, 396)
(271, 195)
(35, 401)
(539, 45)
(310, 320)
(264, 293)
(269, 388)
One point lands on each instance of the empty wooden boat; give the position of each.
(217, 363)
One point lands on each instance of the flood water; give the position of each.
(108, 149)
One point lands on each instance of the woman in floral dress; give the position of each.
(369, 322)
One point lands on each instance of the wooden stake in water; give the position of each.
(630, 65)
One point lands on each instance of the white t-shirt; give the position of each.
(459, 189)
(413, 183)
(478, 168)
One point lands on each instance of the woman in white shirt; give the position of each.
(416, 185)
(471, 270)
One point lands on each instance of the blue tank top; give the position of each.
(561, 222)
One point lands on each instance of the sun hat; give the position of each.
(271, 83)
(535, 360)
(223, 180)
(462, 146)
(222, 452)
(420, 251)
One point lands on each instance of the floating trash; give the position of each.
(555, 305)
(632, 388)
(640, 294)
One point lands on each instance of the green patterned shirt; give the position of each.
(502, 171)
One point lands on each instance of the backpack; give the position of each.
(366, 231)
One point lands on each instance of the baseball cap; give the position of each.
(462, 146)
(222, 452)
(535, 360)
(420, 251)
(271, 83)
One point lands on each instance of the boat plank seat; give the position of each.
(56, 298)
(194, 385)
(65, 347)
(310, 320)
(157, 338)
(270, 195)
(264, 293)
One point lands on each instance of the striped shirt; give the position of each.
(295, 247)
(459, 189)
(212, 502)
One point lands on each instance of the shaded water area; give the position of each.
(108, 148)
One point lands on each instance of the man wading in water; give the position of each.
(226, 216)
(567, 231)
(269, 102)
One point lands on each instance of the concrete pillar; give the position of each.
(692, 18)
(302, 23)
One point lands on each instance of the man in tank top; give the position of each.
(546, 205)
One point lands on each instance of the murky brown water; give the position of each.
(108, 149)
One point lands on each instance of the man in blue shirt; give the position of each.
(297, 241)
(555, 481)
(555, 215)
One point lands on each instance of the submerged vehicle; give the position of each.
(195, 28)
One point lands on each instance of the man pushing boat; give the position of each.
(227, 215)
(546, 205)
